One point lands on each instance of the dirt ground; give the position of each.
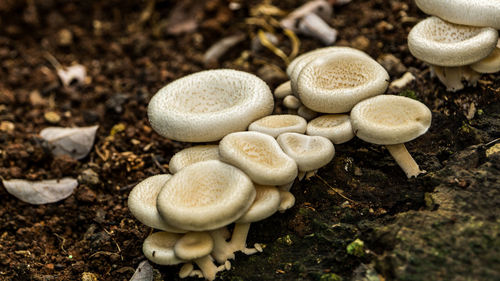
(441, 226)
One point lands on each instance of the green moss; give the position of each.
(356, 248)
(409, 94)
(330, 277)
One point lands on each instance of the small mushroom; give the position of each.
(283, 90)
(193, 155)
(142, 203)
(490, 64)
(466, 12)
(391, 121)
(306, 113)
(448, 47)
(205, 196)
(197, 246)
(309, 152)
(291, 102)
(287, 200)
(266, 203)
(335, 127)
(309, 19)
(208, 105)
(335, 82)
(159, 248)
(259, 156)
(274, 125)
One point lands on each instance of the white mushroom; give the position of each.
(490, 64)
(159, 248)
(205, 196)
(287, 200)
(391, 121)
(266, 203)
(447, 47)
(335, 127)
(306, 113)
(295, 67)
(259, 156)
(197, 246)
(309, 152)
(193, 155)
(335, 82)
(466, 12)
(274, 125)
(291, 102)
(283, 90)
(208, 105)
(142, 203)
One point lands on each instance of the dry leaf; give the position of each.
(41, 192)
(144, 272)
(75, 142)
(72, 73)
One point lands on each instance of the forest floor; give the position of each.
(443, 225)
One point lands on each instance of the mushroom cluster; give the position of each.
(345, 85)
(459, 41)
(244, 178)
(247, 176)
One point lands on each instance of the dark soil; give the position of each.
(441, 226)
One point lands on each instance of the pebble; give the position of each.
(7, 126)
(52, 117)
(64, 37)
(89, 177)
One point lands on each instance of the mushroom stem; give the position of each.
(404, 159)
(287, 201)
(208, 268)
(451, 77)
(222, 249)
(239, 238)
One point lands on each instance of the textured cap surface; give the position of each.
(267, 201)
(159, 248)
(389, 119)
(335, 127)
(466, 12)
(309, 152)
(446, 44)
(194, 245)
(334, 83)
(205, 196)
(208, 105)
(142, 203)
(274, 125)
(259, 156)
(193, 155)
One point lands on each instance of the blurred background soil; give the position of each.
(441, 226)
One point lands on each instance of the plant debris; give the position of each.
(41, 192)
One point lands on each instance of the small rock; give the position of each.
(361, 42)
(392, 64)
(36, 98)
(403, 81)
(271, 74)
(89, 177)
(52, 117)
(86, 194)
(7, 126)
(64, 37)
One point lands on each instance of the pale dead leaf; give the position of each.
(72, 73)
(144, 272)
(75, 142)
(41, 192)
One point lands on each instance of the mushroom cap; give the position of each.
(205, 196)
(466, 12)
(389, 119)
(490, 64)
(159, 248)
(295, 67)
(142, 203)
(193, 155)
(283, 90)
(274, 125)
(309, 152)
(335, 127)
(259, 156)
(446, 44)
(194, 245)
(334, 83)
(208, 105)
(267, 201)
